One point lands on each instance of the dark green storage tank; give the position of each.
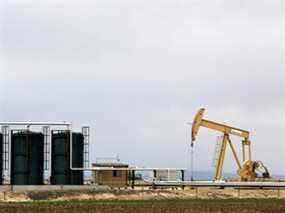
(27, 158)
(61, 174)
(1, 158)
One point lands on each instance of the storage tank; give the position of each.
(27, 158)
(61, 174)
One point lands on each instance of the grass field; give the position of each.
(145, 206)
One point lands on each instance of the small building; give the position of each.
(114, 178)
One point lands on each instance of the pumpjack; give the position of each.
(248, 170)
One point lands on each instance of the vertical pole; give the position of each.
(133, 179)
(154, 178)
(29, 153)
(243, 151)
(249, 151)
(127, 173)
(69, 130)
(192, 161)
(51, 159)
(182, 177)
(168, 175)
(69, 147)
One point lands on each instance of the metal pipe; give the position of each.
(69, 127)
(30, 123)
(220, 184)
(109, 168)
(70, 148)
(243, 152)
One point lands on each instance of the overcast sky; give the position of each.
(136, 71)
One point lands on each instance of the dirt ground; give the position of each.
(142, 200)
(140, 194)
(137, 209)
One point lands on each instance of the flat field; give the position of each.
(144, 201)
(268, 205)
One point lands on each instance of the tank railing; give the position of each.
(63, 123)
(6, 154)
(28, 124)
(86, 135)
(47, 154)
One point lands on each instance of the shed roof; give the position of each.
(115, 164)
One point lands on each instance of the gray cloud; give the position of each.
(137, 71)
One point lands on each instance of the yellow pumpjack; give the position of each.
(248, 170)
